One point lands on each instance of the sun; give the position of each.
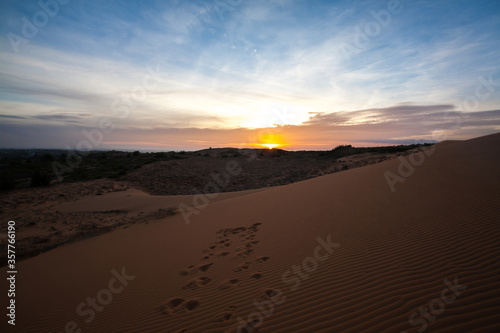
(271, 141)
(270, 145)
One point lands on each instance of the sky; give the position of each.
(187, 75)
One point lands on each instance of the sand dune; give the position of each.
(338, 253)
(134, 200)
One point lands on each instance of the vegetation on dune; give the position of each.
(348, 150)
(35, 168)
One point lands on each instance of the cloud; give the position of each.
(404, 123)
(65, 117)
(9, 116)
(400, 115)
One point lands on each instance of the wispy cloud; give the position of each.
(66, 118)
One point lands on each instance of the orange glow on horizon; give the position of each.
(270, 145)
(271, 141)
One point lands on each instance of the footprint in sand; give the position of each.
(192, 305)
(254, 227)
(194, 269)
(262, 259)
(222, 254)
(250, 243)
(230, 231)
(198, 282)
(204, 268)
(208, 256)
(238, 230)
(271, 293)
(228, 284)
(244, 253)
(171, 305)
(175, 305)
(242, 267)
(187, 271)
(227, 314)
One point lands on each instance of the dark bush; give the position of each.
(7, 181)
(102, 156)
(40, 178)
(46, 158)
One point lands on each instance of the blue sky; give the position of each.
(173, 75)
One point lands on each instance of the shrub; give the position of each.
(46, 158)
(7, 181)
(39, 178)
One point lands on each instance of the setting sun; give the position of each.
(271, 141)
(270, 145)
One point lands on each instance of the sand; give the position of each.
(432, 244)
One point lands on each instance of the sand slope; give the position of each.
(134, 200)
(395, 251)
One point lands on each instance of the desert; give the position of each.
(339, 252)
(241, 166)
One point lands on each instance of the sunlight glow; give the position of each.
(270, 145)
(271, 141)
